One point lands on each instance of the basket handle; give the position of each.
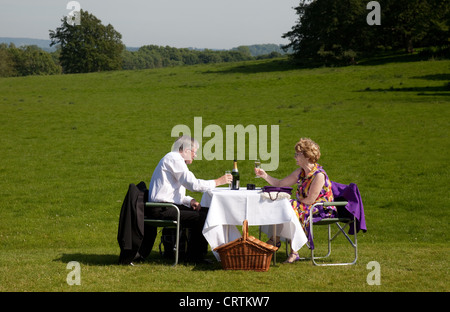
(245, 230)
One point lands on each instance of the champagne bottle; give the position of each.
(235, 174)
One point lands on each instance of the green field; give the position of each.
(71, 144)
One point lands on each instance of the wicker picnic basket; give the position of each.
(246, 253)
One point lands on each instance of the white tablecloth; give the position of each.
(228, 208)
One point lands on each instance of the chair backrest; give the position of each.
(355, 205)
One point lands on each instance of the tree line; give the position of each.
(327, 32)
(32, 60)
(330, 32)
(92, 46)
(28, 60)
(152, 56)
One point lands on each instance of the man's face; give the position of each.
(189, 155)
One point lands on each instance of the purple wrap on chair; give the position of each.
(355, 205)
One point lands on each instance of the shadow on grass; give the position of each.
(274, 65)
(434, 77)
(109, 259)
(443, 90)
(90, 259)
(428, 91)
(287, 63)
(392, 58)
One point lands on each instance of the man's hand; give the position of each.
(225, 179)
(195, 205)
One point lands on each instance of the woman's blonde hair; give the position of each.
(309, 149)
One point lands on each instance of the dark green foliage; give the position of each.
(152, 56)
(337, 32)
(24, 61)
(89, 46)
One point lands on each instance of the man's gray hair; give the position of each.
(183, 143)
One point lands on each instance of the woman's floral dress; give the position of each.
(325, 195)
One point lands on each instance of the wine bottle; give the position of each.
(235, 174)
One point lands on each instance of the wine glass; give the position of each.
(228, 172)
(257, 165)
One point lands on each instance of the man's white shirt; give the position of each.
(172, 177)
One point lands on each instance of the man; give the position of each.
(169, 182)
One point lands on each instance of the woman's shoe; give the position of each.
(292, 258)
(270, 242)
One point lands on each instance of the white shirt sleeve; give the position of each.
(172, 177)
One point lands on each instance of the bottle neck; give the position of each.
(235, 166)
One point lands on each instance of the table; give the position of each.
(229, 208)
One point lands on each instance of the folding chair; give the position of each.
(166, 223)
(329, 221)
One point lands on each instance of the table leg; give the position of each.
(227, 235)
(274, 241)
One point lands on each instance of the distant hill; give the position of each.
(255, 49)
(18, 42)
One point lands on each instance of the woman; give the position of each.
(313, 186)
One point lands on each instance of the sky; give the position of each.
(211, 24)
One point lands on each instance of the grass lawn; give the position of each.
(71, 144)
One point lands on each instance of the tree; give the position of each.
(416, 23)
(337, 32)
(31, 60)
(28, 60)
(329, 31)
(89, 46)
(6, 62)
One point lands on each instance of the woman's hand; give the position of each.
(260, 173)
(287, 181)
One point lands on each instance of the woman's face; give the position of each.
(299, 158)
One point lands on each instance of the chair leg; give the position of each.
(329, 246)
(177, 244)
(178, 236)
(354, 244)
